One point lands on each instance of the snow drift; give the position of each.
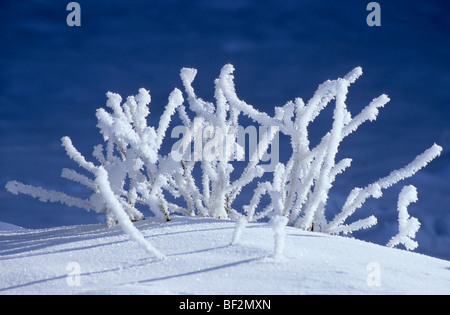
(92, 259)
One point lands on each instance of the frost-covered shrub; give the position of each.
(130, 169)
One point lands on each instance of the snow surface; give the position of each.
(9, 227)
(200, 260)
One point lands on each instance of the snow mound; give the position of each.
(9, 227)
(92, 259)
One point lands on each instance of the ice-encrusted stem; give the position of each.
(407, 226)
(239, 227)
(278, 225)
(359, 195)
(101, 178)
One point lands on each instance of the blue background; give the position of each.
(53, 77)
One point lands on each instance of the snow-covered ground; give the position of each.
(92, 259)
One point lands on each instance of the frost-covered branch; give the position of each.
(113, 203)
(358, 196)
(278, 225)
(45, 195)
(407, 226)
(241, 223)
